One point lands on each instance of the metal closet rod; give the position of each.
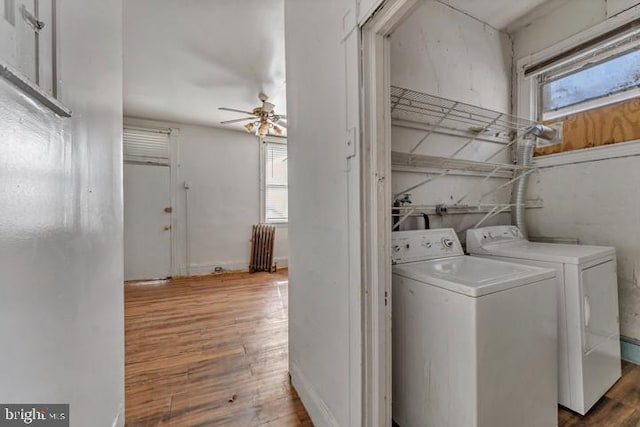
(419, 210)
(490, 210)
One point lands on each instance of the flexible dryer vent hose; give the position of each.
(524, 158)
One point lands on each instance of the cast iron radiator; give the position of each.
(262, 240)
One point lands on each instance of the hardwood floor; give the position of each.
(209, 351)
(213, 351)
(620, 407)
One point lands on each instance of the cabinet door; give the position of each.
(27, 40)
(600, 305)
(8, 32)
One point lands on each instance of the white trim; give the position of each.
(262, 181)
(318, 410)
(585, 155)
(32, 90)
(375, 170)
(174, 171)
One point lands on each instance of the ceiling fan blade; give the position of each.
(276, 123)
(235, 110)
(226, 122)
(279, 121)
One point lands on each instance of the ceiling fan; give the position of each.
(263, 120)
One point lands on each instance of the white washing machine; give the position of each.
(588, 324)
(474, 340)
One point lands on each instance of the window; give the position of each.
(275, 182)
(591, 92)
(609, 78)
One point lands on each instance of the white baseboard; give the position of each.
(210, 268)
(320, 414)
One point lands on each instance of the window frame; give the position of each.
(609, 50)
(527, 92)
(263, 179)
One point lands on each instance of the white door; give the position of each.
(147, 222)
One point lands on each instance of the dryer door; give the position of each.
(600, 305)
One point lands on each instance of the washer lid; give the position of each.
(472, 276)
(553, 252)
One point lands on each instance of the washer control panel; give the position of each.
(479, 237)
(422, 245)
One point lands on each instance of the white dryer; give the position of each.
(589, 330)
(474, 340)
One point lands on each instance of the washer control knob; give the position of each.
(396, 248)
(447, 243)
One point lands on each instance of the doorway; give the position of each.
(147, 222)
(148, 210)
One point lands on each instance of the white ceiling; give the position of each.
(185, 58)
(497, 13)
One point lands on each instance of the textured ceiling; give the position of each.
(185, 58)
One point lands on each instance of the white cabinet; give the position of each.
(27, 42)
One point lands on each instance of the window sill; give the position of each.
(585, 155)
(32, 90)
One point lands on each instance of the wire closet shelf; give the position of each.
(441, 115)
(437, 115)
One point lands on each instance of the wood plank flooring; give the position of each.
(212, 351)
(209, 351)
(620, 407)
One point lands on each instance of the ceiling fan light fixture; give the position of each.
(249, 127)
(263, 130)
(277, 130)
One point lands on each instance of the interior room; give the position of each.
(338, 213)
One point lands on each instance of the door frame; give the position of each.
(174, 171)
(376, 208)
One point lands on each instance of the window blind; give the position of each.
(276, 183)
(146, 145)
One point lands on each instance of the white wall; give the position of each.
(560, 19)
(61, 296)
(596, 202)
(224, 200)
(446, 53)
(324, 269)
